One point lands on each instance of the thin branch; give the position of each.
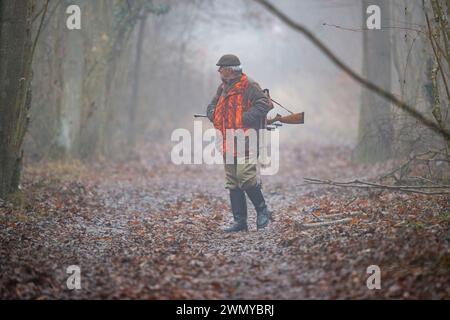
(38, 14)
(413, 158)
(377, 184)
(39, 30)
(350, 202)
(367, 29)
(368, 185)
(406, 64)
(325, 223)
(369, 85)
(50, 14)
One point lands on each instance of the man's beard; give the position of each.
(230, 78)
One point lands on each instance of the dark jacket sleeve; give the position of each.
(212, 106)
(260, 105)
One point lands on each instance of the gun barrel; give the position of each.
(200, 116)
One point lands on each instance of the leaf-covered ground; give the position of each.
(146, 229)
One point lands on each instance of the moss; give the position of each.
(416, 225)
(445, 215)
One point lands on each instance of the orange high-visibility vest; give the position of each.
(230, 109)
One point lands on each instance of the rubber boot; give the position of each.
(239, 209)
(263, 214)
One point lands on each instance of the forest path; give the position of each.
(149, 229)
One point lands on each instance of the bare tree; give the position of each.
(16, 53)
(375, 120)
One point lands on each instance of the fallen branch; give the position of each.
(350, 202)
(368, 185)
(334, 215)
(325, 223)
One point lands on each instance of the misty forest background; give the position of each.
(86, 118)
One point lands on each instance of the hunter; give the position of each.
(240, 104)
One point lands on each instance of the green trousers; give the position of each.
(241, 175)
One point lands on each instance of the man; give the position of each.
(240, 104)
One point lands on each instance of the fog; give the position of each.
(97, 202)
(298, 75)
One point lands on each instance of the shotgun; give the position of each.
(295, 118)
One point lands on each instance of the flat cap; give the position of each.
(229, 60)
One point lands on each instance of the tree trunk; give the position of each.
(72, 95)
(375, 123)
(410, 58)
(132, 126)
(15, 78)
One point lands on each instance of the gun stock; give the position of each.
(295, 118)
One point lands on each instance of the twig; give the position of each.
(417, 157)
(39, 30)
(368, 185)
(334, 215)
(421, 178)
(350, 202)
(356, 181)
(367, 29)
(325, 223)
(405, 187)
(38, 14)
